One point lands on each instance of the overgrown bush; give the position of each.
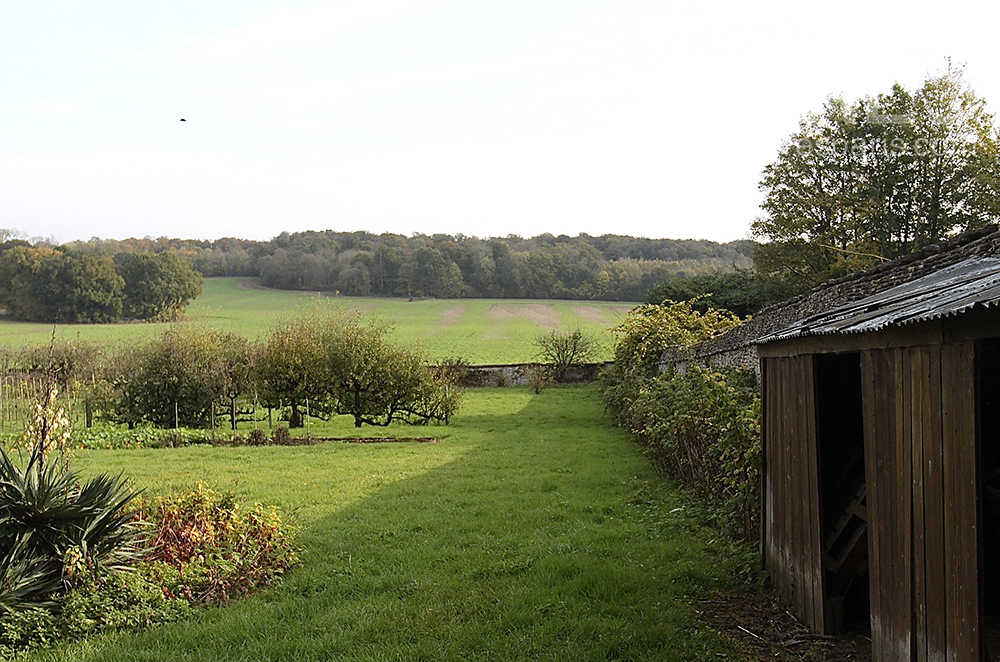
(539, 376)
(700, 426)
(208, 549)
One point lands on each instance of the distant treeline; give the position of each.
(609, 267)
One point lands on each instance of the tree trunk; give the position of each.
(295, 420)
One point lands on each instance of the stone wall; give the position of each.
(515, 374)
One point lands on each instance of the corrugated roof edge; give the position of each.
(853, 287)
(944, 292)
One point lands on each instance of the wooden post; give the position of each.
(256, 405)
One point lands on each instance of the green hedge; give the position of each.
(700, 426)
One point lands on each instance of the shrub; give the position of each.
(702, 428)
(563, 351)
(539, 376)
(208, 550)
(282, 436)
(126, 601)
(171, 439)
(93, 604)
(257, 437)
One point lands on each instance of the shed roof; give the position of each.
(951, 290)
(816, 307)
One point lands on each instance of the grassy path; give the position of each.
(532, 531)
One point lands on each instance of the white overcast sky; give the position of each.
(481, 117)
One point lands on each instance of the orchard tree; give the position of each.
(377, 382)
(344, 364)
(880, 177)
(178, 378)
(291, 367)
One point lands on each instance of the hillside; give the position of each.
(479, 330)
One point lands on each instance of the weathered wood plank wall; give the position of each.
(921, 459)
(791, 526)
(919, 410)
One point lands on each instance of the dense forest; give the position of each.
(58, 284)
(608, 267)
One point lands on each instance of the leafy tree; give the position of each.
(377, 382)
(361, 263)
(565, 350)
(237, 358)
(158, 285)
(343, 364)
(742, 291)
(178, 378)
(877, 178)
(50, 285)
(291, 367)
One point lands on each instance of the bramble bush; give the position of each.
(208, 549)
(700, 426)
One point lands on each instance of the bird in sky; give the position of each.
(183, 120)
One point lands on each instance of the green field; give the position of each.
(479, 330)
(533, 530)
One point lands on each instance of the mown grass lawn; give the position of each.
(533, 530)
(479, 330)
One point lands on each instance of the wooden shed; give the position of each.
(881, 432)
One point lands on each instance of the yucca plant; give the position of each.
(26, 578)
(53, 525)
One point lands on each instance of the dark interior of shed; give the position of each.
(988, 388)
(988, 413)
(840, 435)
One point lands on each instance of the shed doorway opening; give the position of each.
(988, 387)
(843, 512)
